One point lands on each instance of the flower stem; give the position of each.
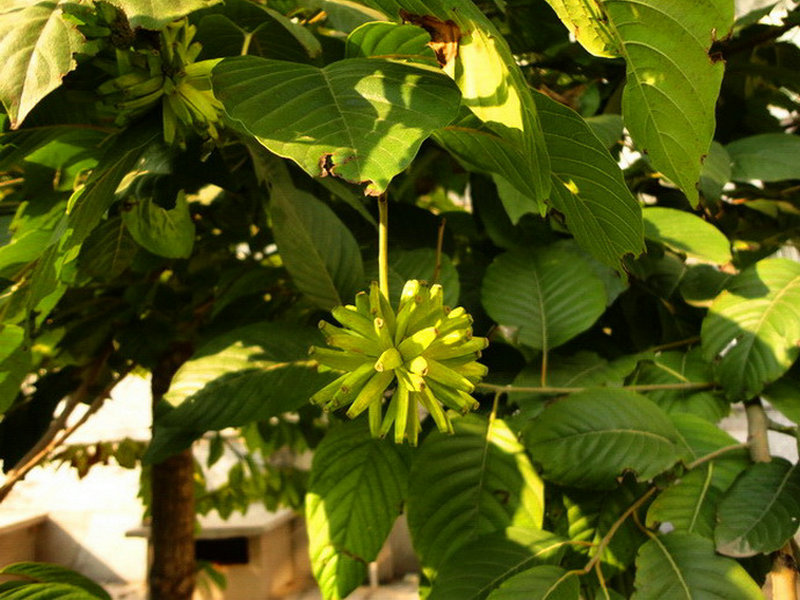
(383, 245)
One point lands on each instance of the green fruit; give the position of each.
(426, 351)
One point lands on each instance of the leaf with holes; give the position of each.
(590, 438)
(760, 511)
(481, 565)
(36, 48)
(355, 494)
(752, 329)
(551, 294)
(684, 566)
(474, 482)
(360, 119)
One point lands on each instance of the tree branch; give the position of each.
(549, 390)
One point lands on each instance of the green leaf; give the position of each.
(687, 233)
(700, 438)
(590, 516)
(551, 294)
(244, 27)
(154, 14)
(165, 232)
(689, 504)
(716, 171)
(672, 84)
(32, 227)
(492, 85)
(344, 15)
(317, 249)
(355, 494)
(588, 186)
(359, 119)
(15, 363)
(546, 582)
(383, 39)
(760, 511)
(36, 48)
(783, 396)
(679, 368)
(481, 565)
(766, 157)
(607, 127)
(260, 370)
(13, 590)
(51, 573)
(474, 482)
(684, 566)
(589, 438)
(108, 250)
(480, 149)
(752, 329)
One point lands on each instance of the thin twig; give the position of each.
(601, 547)
(678, 344)
(59, 432)
(649, 387)
(716, 454)
(781, 428)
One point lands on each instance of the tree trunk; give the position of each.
(172, 573)
(173, 570)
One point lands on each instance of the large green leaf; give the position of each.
(760, 511)
(687, 233)
(551, 294)
(36, 48)
(752, 329)
(588, 187)
(355, 493)
(14, 590)
(484, 563)
(689, 504)
(359, 119)
(683, 566)
(589, 438)
(474, 482)
(166, 232)
(546, 582)
(154, 14)
(700, 438)
(316, 248)
(244, 27)
(32, 229)
(108, 250)
(672, 82)
(493, 87)
(767, 157)
(716, 171)
(384, 39)
(260, 371)
(590, 516)
(783, 395)
(45, 573)
(682, 368)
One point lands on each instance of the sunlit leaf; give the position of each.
(590, 438)
(760, 511)
(474, 482)
(684, 566)
(355, 494)
(752, 329)
(359, 119)
(687, 233)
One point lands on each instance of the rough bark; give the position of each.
(173, 569)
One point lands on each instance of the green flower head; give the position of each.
(424, 348)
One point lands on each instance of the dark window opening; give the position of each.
(223, 551)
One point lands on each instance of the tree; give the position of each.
(188, 188)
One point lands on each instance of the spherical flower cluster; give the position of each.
(426, 348)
